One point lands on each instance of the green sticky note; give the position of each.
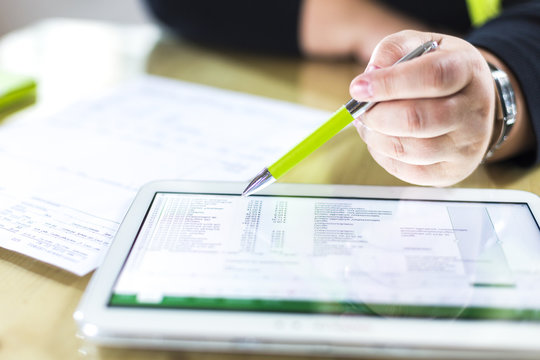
(15, 91)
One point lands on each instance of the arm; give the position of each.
(521, 138)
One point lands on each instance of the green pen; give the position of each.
(341, 118)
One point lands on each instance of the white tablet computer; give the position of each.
(323, 270)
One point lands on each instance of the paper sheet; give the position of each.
(68, 178)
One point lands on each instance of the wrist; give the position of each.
(521, 138)
(505, 110)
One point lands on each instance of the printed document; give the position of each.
(68, 178)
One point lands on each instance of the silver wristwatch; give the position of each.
(507, 99)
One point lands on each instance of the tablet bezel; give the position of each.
(290, 332)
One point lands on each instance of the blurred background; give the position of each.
(15, 14)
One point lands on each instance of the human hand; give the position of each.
(344, 28)
(435, 116)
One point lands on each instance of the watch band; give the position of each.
(507, 99)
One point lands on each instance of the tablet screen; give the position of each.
(380, 257)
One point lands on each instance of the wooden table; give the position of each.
(72, 59)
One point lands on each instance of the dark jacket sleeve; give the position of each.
(514, 37)
(265, 26)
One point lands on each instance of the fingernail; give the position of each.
(362, 89)
(371, 68)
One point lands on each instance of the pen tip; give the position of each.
(259, 182)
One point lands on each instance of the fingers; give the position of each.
(431, 124)
(437, 161)
(437, 174)
(409, 150)
(439, 73)
(421, 119)
(431, 75)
